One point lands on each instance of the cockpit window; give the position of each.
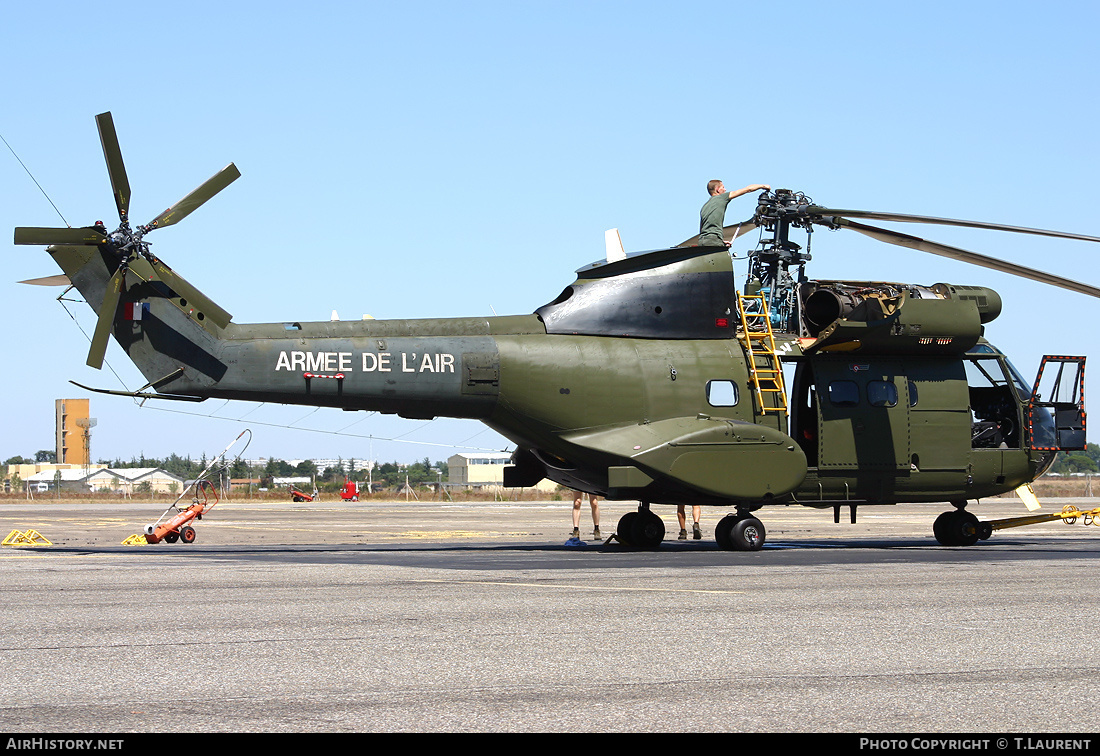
(1023, 388)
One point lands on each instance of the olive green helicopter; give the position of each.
(650, 377)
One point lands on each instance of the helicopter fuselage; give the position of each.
(650, 377)
(636, 384)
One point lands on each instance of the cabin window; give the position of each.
(844, 393)
(882, 394)
(912, 394)
(722, 393)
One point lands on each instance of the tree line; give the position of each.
(393, 473)
(1087, 461)
(389, 474)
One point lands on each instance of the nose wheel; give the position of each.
(960, 528)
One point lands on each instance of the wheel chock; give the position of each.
(135, 540)
(28, 538)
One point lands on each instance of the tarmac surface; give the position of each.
(430, 617)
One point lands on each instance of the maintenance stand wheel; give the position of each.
(187, 534)
(171, 537)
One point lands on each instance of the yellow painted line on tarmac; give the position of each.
(575, 587)
(432, 534)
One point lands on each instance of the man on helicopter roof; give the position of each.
(712, 217)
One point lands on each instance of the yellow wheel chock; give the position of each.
(28, 538)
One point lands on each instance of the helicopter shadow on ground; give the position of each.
(526, 556)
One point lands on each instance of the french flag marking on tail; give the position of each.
(135, 310)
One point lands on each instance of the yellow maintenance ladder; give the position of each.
(765, 372)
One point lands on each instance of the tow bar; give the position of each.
(1069, 515)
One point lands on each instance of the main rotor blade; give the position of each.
(116, 169)
(194, 297)
(729, 233)
(935, 248)
(49, 236)
(58, 280)
(901, 218)
(195, 199)
(106, 320)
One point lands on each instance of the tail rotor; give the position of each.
(127, 245)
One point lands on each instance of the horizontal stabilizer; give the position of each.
(140, 395)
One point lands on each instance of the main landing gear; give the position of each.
(735, 532)
(642, 528)
(740, 532)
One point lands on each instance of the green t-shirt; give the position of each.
(711, 220)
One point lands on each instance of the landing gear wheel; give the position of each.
(647, 530)
(187, 534)
(939, 528)
(625, 528)
(722, 532)
(740, 533)
(959, 528)
(747, 535)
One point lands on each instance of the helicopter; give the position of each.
(650, 377)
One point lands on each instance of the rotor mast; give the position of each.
(770, 263)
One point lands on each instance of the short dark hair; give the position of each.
(712, 185)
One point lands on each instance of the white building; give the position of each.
(125, 480)
(298, 481)
(47, 480)
(129, 479)
(482, 469)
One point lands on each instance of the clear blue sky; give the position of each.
(453, 159)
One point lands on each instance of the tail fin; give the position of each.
(161, 328)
